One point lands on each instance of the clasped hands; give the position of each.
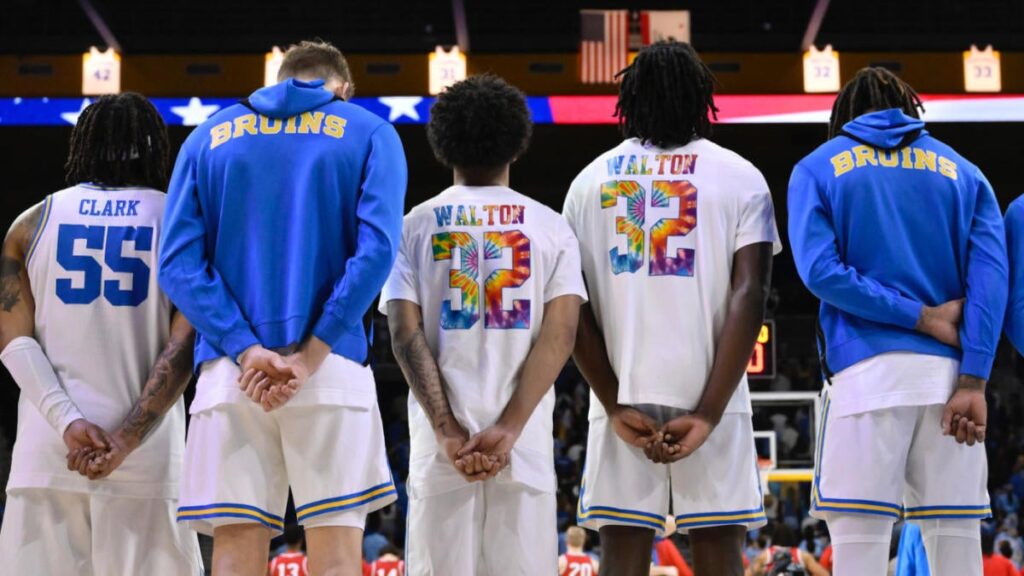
(270, 379)
(966, 413)
(670, 442)
(95, 453)
(479, 457)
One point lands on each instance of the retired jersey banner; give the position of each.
(101, 72)
(734, 108)
(658, 25)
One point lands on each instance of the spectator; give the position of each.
(1007, 534)
(667, 554)
(291, 562)
(1017, 480)
(826, 558)
(756, 546)
(373, 540)
(1006, 500)
(994, 564)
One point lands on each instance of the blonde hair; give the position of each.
(575, 536)
(315, 58)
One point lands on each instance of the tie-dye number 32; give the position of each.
(465, 278)
(632, 225)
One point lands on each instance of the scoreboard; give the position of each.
(762, 361)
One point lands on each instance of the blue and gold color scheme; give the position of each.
(231, 510)
(619, 515)
(943, 240)
(341, 503)
(688, 521)
(283, 219)
(820, 503)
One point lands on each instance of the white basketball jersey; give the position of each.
(102, 321)
(481, 262)
(657, 231)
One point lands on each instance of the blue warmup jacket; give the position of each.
(885, 218)
(1015, 250)
(283, 219)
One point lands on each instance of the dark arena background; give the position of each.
(193, 57)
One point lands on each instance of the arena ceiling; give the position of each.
(394, 26)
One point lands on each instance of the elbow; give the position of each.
(564, 339)
(752, 298)
(167, 275)
(403, 332)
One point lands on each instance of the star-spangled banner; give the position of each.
(794, 109)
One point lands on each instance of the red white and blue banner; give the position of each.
(734, 108)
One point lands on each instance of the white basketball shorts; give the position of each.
(895, 461)
(240, 460)
(717, 485)
(492, 528)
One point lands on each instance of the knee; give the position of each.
(951, 527)
(859, 528)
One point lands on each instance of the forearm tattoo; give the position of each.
(10, 282)
(165, 385)
(420, 369)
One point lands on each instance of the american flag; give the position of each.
(604, 44)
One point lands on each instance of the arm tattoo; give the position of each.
(11, 265)
(10, 282)
(424, 377)
(165, 385)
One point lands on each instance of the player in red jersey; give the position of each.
(575, 562)
(293, 561)
(389, 563)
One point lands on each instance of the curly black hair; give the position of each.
(480, 122)
(666, 96)
(119, 140)
(872, 88)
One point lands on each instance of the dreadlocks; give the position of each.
(873, 88)
(119, 140)
(666, 95)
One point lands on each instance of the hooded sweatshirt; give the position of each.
(1015, 251)
(883, 219)
(283, 218)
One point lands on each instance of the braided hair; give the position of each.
(666, 96)
(119, 140)
(873, 88)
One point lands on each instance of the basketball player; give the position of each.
(291, 562)
(82, 324)
(284, 215)
(886, 223)
(1015, 254)
(677, 236)
(575, 562)
(389, 563)
(482, 305)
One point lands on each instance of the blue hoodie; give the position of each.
(283, 218)
(885, 218)
(1015, 250)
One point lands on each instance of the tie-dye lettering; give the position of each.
(631, 224)
(463, 278)
(682, 263)
(496, 316)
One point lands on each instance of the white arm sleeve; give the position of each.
(31, 369)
